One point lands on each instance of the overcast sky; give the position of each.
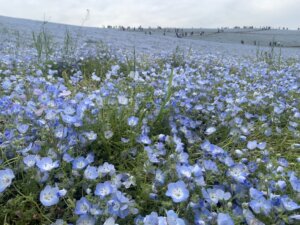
(171, 13)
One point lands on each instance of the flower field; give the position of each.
(92, 134)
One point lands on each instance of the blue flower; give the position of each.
(6, 177)
(46, 164)
(118, 205)
(79, 163)
(262, 145)
(49, 196)
(214, 195)
(22, 128)
(238, 172)
(86, 220)
(30, 160)
(177, 191)
(91, 173)
(91, 136)
(105, 169)
(295, 182)
(252, 145)
(250, 218)
(95, 211)
(261, 204)
(289, 204)
(184, 171)
(132, 121)
(60, 132)
(90, 157)
(151, 219)
(104, 189)
(82, 206)
(210, 130)
(67, 157)
(159, 176)
(123, 100)
(173, 219)
(224, 219)
(210, 165)
(144, 139)
(110, 221)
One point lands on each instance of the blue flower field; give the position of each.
(92, 133)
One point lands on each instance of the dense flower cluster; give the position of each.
(206, 140)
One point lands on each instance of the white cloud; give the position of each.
(175, 13)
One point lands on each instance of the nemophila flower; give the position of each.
(44, 98)
(105, 169)
(283, 162)
(86, 220)
(79, 163)
(151, 219)
(95, 77)
(90, 157)
(60, 131)
(238, 172)
(144, 139)
(173, 219)
(95, 211)
(210, 165)
(122, 100)
(295, 182)
(214, 195)
(6, 84)
(46, 164)
(67, 158)
(262, 145)
(30, 160)
(289, 204)
(118, 208)
(250, 218)
(224, 219)
(71, 120)
(69, 110)
(211, 149)
(293, 218)
(50, 196)
(110, 221)
(184, 171)
(182, 157)
(252, 145)
(108, 134)
(91, 173)
(159, 176)
(22, 128)
(104, 189)
(6, 177)
(226, 159)
(281, 184)
(260, 204)
(252, 166)
(210, 130)
(177, 191)
(51, 114)
(91, 136)
(126, 180)
(132, 121)
(82, 206)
